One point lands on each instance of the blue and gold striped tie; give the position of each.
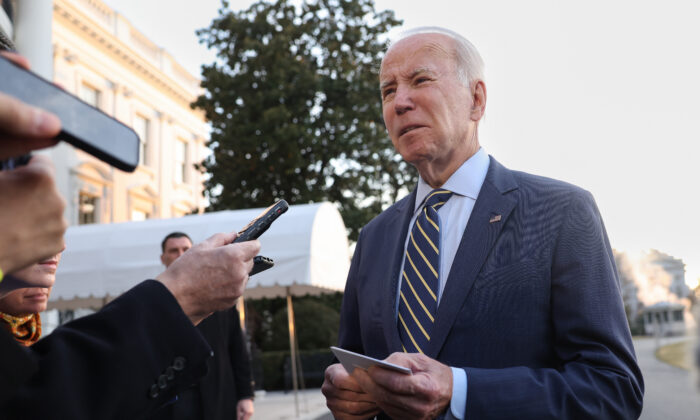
(420, 277)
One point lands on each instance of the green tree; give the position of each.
(316, 327)
(316, 319)
(294, 104)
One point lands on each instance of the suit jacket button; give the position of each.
(153, 393)
(179, 363)
(170, 373)
(162, 382)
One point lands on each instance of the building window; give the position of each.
(141, 126)
(87, 209)
(90, 95)
(139, 215)
(678, 316)
(180, 162)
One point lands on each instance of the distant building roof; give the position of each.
(661, 306)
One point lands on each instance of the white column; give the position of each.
(33, 37)
(6, 24)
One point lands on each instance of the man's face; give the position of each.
(31, 300)
(174, 247)
(427, 110)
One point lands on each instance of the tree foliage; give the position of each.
(294, 104)
(316, 319)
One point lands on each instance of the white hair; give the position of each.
(470, 66)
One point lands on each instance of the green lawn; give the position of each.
(678, 354)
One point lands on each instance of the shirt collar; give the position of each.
(466, 181)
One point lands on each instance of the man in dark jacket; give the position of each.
(226, 392)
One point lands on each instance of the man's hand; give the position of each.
(31, 216)
(211, 275)
(344, 397)
(423, 395)
(244, 409)
(24, 128)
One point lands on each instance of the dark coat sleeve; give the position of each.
(123, 362)
(17, 365)
(349, 332)
(240, 358)
(595, 374)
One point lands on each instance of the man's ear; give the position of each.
(162, 259)
(478, 101)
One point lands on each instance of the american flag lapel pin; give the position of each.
(494, 219)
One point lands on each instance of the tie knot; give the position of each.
(437, 198)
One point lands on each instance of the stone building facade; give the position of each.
(95, 53)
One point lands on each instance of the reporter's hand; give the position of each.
(244, 409)
(211, 275)
(344, 396)
(24, 128)
(423, 395)
(31, 215)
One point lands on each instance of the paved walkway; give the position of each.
(671, 393)
(279, 405)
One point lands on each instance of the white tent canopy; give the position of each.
(308, 244)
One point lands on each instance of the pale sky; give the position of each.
(603, 94)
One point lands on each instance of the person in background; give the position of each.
(226, 392)
(19, 309)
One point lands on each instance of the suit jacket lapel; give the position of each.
(398, 223)
(480, 235)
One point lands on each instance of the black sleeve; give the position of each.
(17, 365)
(240, 358)
(123, 362)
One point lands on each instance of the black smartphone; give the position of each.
(261, 263)
(82, 125)
(260, 224)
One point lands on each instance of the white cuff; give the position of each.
(458, 404)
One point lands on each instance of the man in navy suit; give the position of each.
(520, 316)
